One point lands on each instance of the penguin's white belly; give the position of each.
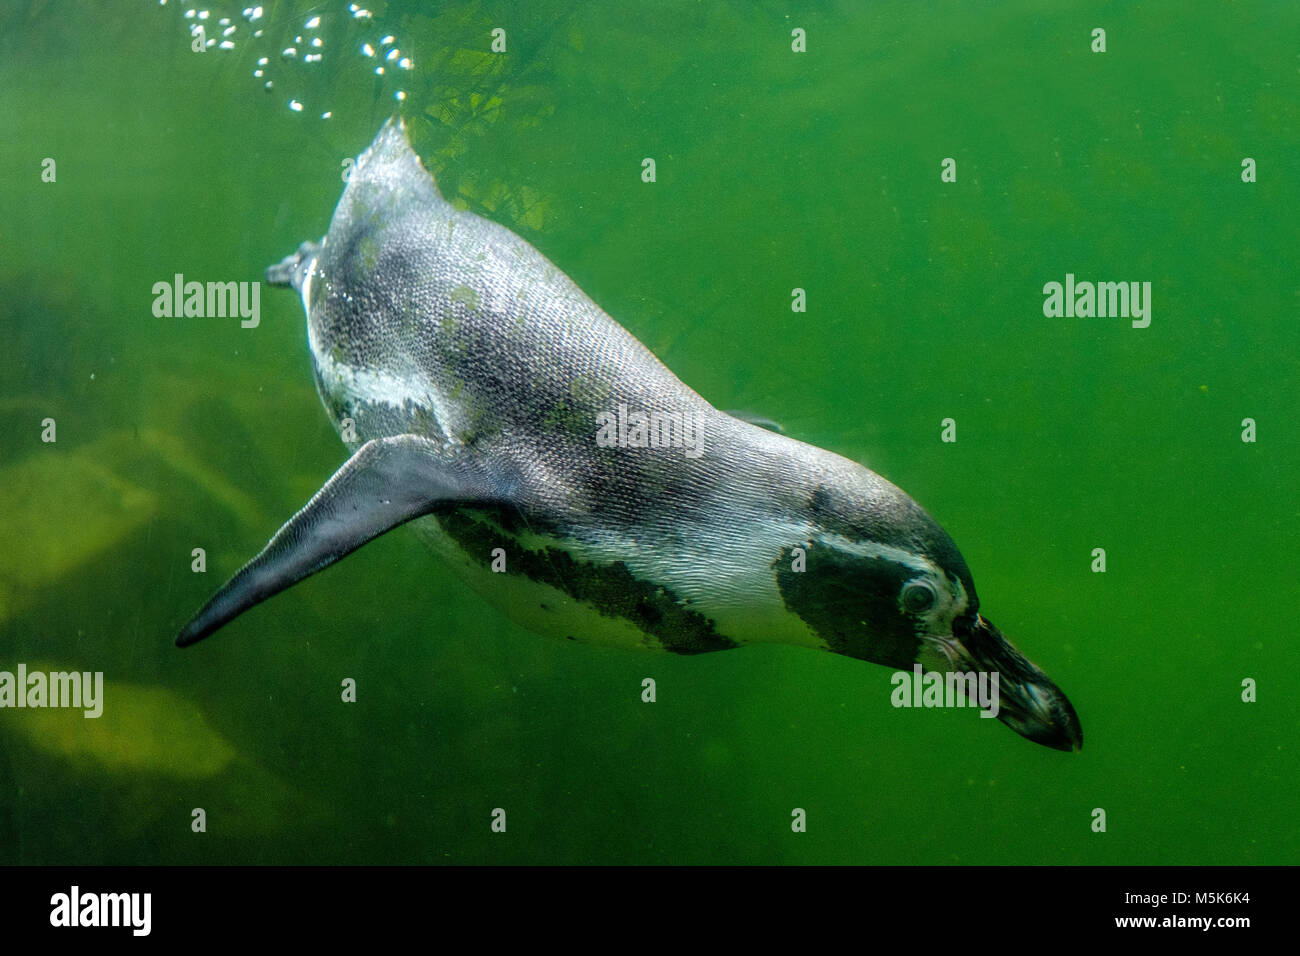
(715, 589)
(533, 605)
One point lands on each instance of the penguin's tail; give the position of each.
(292, 269)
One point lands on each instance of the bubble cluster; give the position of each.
(303, 45)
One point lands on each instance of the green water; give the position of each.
(775, 170)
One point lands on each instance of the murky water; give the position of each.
(775, 170)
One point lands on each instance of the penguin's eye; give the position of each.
(918, 597)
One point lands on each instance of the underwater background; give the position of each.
(776, 170)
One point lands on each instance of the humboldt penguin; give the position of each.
(576, 483)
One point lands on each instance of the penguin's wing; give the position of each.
(386, 483)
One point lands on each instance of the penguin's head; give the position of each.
(881, 581)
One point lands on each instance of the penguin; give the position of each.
(574, 482)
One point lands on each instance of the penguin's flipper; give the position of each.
(388, 482)
(760, 420)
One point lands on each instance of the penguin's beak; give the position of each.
(1029, 703)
